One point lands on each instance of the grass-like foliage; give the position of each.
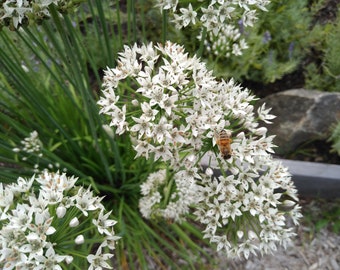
(84, 93)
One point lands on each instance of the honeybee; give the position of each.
(223, 141)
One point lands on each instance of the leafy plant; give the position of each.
(324, 73)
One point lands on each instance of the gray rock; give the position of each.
(302, 116)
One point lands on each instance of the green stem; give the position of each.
(203, 37)
(164, 26)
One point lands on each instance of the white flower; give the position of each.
(85, 201)
(42, 225)
(34, 246)
(99, 260)
(257, 201)
(246, 248)
(164, 104)
(110, 241)
(162, 130)
(22, 185)
(6, 197)
(49, 260)
(264, 114)
(167, 4)
(143, 148)
(17, 13)
(189, 15)
(148, 113)
(56, 181)
(22, 216)
(149, 55)
(142, 127)
(103, 224)
(232, 210)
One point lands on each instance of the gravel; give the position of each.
(320, 253)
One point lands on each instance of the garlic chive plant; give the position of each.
(166, 105)
(47, 222)
(223, 23)
(171, 106)
(22, 13)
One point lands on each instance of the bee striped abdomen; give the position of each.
(223, 140)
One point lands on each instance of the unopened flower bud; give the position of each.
(288, 203)
(74, 222)
(240, 234)
(108, 130)
(79, 239)
(209, 172)
(25, 68)
(68, 259)
(135, 102)
(61, 211)
(252, 235)
(261, 131)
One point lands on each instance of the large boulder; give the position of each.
(302, 116)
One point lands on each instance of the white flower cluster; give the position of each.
(14, 13)
(245, 210)
(176, 106)
(39, 226)
(172, 108)
(30, 144)
(224, 20)
(175, 205)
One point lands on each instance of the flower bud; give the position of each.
(135, 102)
(79, 239)
(209, 171)
(288, 203)
(252, 235)
(61, 211)
(68, 259)
(261, 131)
(108, 131)
(74, 222)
